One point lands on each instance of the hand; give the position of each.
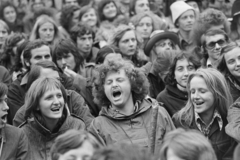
(69, 72)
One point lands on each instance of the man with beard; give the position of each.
(183, 16)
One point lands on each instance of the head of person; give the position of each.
(36, 5)
(208, 19)
(36, 51)
(229, 61)
(107, 10)
(138, 6)
(66, 54)
(70, 2)
(73, 143)
(45, 100)
(69, 16)
(182, 66)
(196, 4)
(236, 18)
(45, 28)
(8, 12)
(3, 105)
(145, 23)
(4, 32)
(161, 41)
(183, 15)
(212, 43)
(118, 82)
(43, 11)
(88, 16)
(125, 38)
(187, 145)
(123, 151)
(83, 36)
(107, 53)
(49, 3)
(208, 91)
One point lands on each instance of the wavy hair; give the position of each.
(138, 80)
(72, 139)
(207, 19)
(217, 85)
(40, 21)
(187, 145)
(37, 90)
(180, 55)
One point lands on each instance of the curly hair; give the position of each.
(66, 16)
(170, 77)
(206, 20)
(138, 80)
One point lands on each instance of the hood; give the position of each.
(110, 113)
(175, 92)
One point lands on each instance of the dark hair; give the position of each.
(64, 47)
(170, 78)
(3, 6)
(84, 10)
(3, 89)
(123, 151)
(101, 5)
(27, 55)
(138, 80)
(35, 71)
(132, 11)
(72, 139)
(66, 16)
(18, 63)
(79, 30)
(103, 52)
(10, 43)
(44, 11)
(222, 66)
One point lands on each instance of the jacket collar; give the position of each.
(24, 79)
(175, 92)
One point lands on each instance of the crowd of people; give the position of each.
(119, 79)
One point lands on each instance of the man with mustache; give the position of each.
(183, 16)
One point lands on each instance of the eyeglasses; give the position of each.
(212, 45)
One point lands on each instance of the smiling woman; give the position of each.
(206, 109)
(47, 115)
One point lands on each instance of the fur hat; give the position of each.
(178, 8)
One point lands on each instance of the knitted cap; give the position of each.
(178, 8)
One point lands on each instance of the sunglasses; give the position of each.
(212, 45)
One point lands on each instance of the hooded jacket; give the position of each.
(112, 127)
(173, 99)
(41, 138)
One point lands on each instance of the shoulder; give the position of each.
(75, 122)
(13, 132)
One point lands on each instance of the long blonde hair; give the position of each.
(40, 21)
(217, 85)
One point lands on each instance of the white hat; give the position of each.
(178, 8)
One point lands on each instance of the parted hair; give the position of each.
(217, 85)
(37, 90)
(72, 139)
(187, 145)
(138, 80)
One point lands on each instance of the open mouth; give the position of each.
(4, 118)
(199, 103)
(56, 109)
(116, 94)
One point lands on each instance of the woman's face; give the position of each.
(202, 98)
(182, 71)
(3, 34)
(232, 59)
(128, 43)
(82, 153)
(10, 14)
(90, 18)
(141, 6)
(51, 104)
(145, 27)
(46, 32)
(110, 10)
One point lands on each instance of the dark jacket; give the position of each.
(223, 144)
(173, 99)
(234, 86)
(75, 105)
(16, 94)
(233, 126)
(156, 85)
(15, 144)
(112, 127)
(41, 139)
(5, 77)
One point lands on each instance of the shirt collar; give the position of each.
(182, 41)
(136, 108)
(209, 63)
(24, 79)
(216, 115)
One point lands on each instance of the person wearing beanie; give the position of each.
(183, 16)
(235, 25)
